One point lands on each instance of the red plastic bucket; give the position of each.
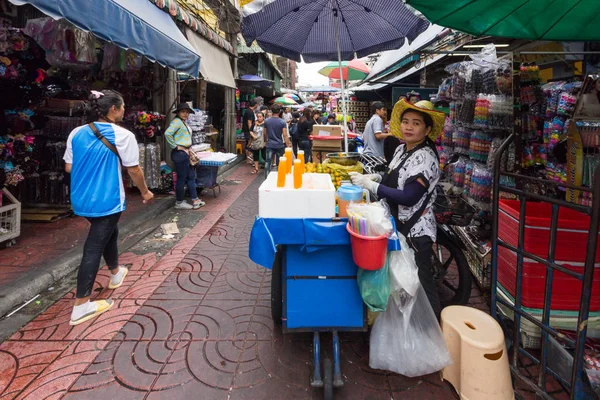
(368, 252)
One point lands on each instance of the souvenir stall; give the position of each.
(480, 118)
(533, 194)
(47, 69)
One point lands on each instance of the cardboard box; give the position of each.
(330, 144)
(327, 130)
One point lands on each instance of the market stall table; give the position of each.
(208, 169)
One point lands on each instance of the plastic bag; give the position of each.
(375, 287)
(339, 172)
(404, 275)
(376, 216)
(407, 338)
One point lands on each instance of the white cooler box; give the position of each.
(315, 199)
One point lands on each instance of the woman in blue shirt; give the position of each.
(94, 156)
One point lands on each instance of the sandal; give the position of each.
(254, 171)
(101, 307)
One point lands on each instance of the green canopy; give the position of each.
(559, 20)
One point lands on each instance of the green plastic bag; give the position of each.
(375, 287)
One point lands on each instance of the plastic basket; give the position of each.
(571, 235)
(10, 217)
(368, 252)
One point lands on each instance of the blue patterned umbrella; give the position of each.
(329, 30)
(291, 28)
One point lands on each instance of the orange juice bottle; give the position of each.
(281, 171)
(301, 158)
(298, 171)
(290, 156)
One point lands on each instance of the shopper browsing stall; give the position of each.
(409, 184)
(179, 137)
(276, 137)
(94, 156)
(305, 128)
(258, 141)
(373, 135)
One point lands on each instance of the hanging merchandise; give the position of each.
(196, 122)
(152, 162)
(479, 146)
(458, 175)
(480, 187)
(482, 109)
(461, 138)
(447, 134)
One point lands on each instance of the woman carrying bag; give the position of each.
(179, 137)
(409, 184)
(258, 144)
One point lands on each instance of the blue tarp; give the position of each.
(311, 234)
(131, 24)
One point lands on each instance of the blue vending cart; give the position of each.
(313, 284)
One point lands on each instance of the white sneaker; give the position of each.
(183, 206)
(198, 203)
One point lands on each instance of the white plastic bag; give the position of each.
(404, 275)
(407, 338)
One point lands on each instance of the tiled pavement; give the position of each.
(40, 243)
(195, 324)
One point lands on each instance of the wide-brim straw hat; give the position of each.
(438, 117)
(184, 106)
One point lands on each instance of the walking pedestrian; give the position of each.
(248, 121)
(258, 141)
(276, 136)
(305, 128)
(94, 157)
(294, 132)
(179, 137)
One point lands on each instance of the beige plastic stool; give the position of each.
(476, 344)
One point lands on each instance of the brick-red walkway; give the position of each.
(40, 243)
(195, 324)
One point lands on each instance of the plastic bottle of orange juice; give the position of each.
(301, 158)
(290, 156)
(298, 171)
(281, 171)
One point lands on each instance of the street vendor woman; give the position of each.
(179, 137)
(408, 185)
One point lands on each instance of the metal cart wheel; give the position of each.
(327, 379)
(454, 271)
(276, 288)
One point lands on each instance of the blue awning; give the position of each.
(131, 24)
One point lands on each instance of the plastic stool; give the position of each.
(480, 367)
(239, 148)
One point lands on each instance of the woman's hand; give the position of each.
(148, 196)
(364, 181)
(185, 150)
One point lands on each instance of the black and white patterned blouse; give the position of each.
(423, 164)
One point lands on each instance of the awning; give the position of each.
(424, 63)
(366, 87)
(254, 80)
(131, 24)
(216, 68)
(393, 60)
